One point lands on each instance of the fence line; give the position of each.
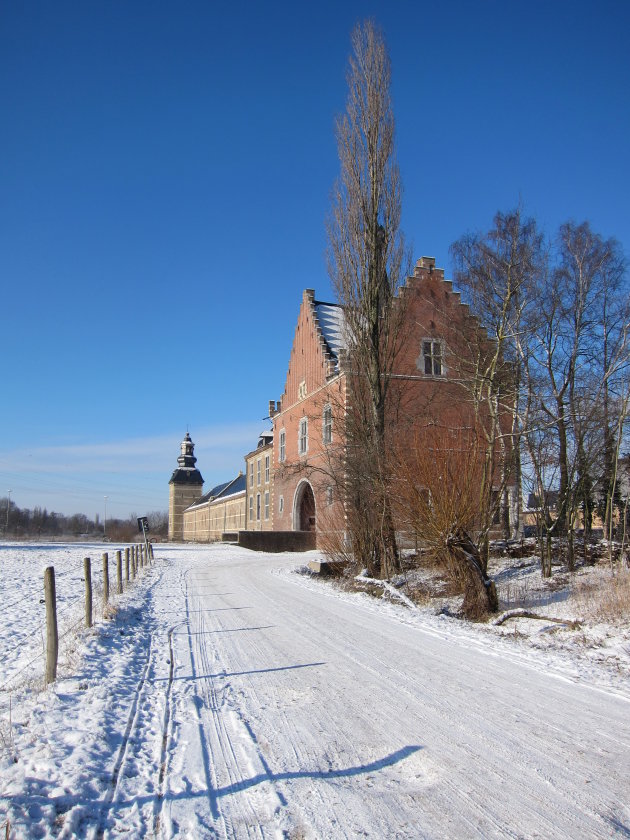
(49, 628)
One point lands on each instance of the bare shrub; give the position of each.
(437, 498)
(607, 599)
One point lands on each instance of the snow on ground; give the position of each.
(232, 696)
(22, 617)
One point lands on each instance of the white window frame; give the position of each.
(251, 473)
(251, 508)
(257, 507)
(282, 446)
(267, 462)
(258, 472)
(432, 357)
(267, 505)
(327, 423)
(303, 436)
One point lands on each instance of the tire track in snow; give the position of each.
(527, 757)
(457, 728)
(217, 742)
(232, 747)
(165, 725)
(139, 724)
(261, 693)
(132, 718)
(174, 752)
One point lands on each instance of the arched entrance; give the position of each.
(304, 508)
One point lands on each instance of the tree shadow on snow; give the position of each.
(223, 674)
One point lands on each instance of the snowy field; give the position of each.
(231, 696)
(23, 615)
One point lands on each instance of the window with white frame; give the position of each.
(258, 471)
(251, 474)
(327, 425)
(432, 357)
(267, 504)
(258, 507)
(303, 436)
(251, 508)
(282, 448)
(266, 469)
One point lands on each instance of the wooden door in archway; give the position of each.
(306, 516)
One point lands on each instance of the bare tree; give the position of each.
(579, 350)
(496, 271)
(367, 265)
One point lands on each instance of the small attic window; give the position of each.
(302, 390)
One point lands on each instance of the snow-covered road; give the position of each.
(252, 702)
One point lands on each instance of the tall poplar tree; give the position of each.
(367, 264)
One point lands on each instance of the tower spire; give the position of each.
(186, 486)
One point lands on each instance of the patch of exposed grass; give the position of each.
(606, 599)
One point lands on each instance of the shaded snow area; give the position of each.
(228, 695)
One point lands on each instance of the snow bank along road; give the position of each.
(253, 702)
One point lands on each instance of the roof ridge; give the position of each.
(326, 303)
(228, 485)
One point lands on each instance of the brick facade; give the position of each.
(439, 338)
(313, 398)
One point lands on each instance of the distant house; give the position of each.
(203, 517)
(219, 511)
(243, 503)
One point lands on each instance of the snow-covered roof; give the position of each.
(222, 491)
(332, 324)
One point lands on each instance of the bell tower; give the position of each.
(185, 487)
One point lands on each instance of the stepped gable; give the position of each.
(317, 343)
(331, 327)
(430, 282)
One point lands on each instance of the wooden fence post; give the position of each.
(105, 579)
(127, 564)
(133, 561)
(141, 550)
(52, 639)
(119, 571)
(87, 575)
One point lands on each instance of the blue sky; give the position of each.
(164, 182)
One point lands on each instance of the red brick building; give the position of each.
(308, 420)
(439, 338)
